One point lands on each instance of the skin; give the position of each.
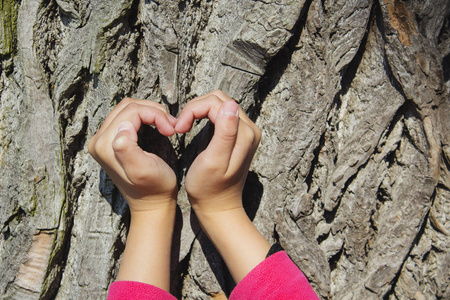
(147, 183)
(214, 184)
(216, 178)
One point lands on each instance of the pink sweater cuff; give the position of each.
(132, 290)
(277, 277)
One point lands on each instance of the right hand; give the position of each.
(216, 178)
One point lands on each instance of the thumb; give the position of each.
(225, 133)
(124, 137)
(133, 160)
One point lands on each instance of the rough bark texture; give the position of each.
(352, 176)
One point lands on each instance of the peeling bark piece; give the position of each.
(382, 277)
(265, 30)
(32, 272)
(401, 20)
(169, 69)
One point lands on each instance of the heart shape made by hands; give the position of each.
(179, 150)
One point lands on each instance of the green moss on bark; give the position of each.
(8, 26)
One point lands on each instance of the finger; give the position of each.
(214, 96)
(139, 114)
(217, 93)
(224, 97)
(202, 108)
(127, 101)
(137, 165)
(208, 106)
(246, 144)
(136, 114)
(225, 133)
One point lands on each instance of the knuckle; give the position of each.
(125, 101)
(220, 94)
(119, 144)
(227, 135)
(132, 106)
(216, 99)
(160, 112)
(128, 105)
(159, 106)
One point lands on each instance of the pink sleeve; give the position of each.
(277, 277)
(133, 290)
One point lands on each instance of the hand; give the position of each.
(148, 184)
(216, 178)
(144, 179)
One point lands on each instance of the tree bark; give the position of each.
(352, 176)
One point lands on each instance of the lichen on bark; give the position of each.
(8, 26)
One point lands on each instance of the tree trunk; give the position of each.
(352, 176)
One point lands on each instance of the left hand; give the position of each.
(143, 178)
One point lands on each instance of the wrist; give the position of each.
(163, 213)
(237, 240)
(217, 204)
(148, 204)
(210, 216)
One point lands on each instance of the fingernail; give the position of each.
(125, 125)
(230, 108)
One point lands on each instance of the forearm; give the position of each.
(240, 244)
(147, 252)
